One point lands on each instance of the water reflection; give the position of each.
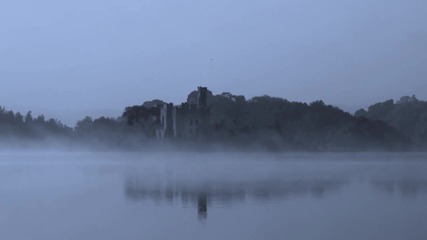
(408, 188)
(202, 206)
(221, 194)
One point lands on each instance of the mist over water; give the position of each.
(80, 195)
(213, 120)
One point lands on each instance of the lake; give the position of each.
(81, 195)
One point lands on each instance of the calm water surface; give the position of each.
(212, 196)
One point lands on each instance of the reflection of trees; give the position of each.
(404, 187)
(204, 194)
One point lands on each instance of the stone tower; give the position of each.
(202, 95)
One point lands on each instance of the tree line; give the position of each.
(262, 122)
(408, 115)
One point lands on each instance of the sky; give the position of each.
(69, 59)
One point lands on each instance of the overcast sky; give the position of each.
(68, 59)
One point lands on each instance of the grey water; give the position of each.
(69, 195)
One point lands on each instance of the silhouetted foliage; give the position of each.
(276, 123)
(260, 122)
(408, 115)
(16, 126)
(147, 118)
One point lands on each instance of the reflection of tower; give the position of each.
(202, 206)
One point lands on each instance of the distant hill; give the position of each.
(408, 115)
(296, 125)
(228, 121)
(278, 124)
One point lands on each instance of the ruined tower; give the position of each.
(202, 97)
(190, 121)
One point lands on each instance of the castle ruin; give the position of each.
(189, 121)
